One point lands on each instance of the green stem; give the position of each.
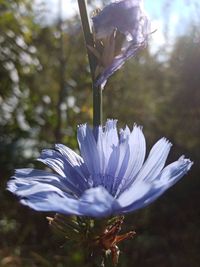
(97, 92)
(97, 106)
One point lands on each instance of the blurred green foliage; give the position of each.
(45, 91)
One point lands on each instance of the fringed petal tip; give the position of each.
(185, 162)
(82, 125)
(111, 124)
(11, 187)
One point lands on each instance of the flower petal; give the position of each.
(53, 160)
(99, 200)
(23, 179)
(118, 62)
(137, 148)
(117, 163)
(52, 202)
(74, 160)
(122, 163)
(95, 202)
(107, 138)
(155, 161)
(59, 163)
(89, 152)
(122, 15)
(144, 192)
(75, 164)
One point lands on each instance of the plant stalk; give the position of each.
(97, 92)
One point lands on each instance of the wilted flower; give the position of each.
(109, 178)
(121, 29)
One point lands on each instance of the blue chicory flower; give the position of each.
(128, 18)
(109, 178)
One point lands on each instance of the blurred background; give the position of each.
(45, 91)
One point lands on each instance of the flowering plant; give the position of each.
(91, 192)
